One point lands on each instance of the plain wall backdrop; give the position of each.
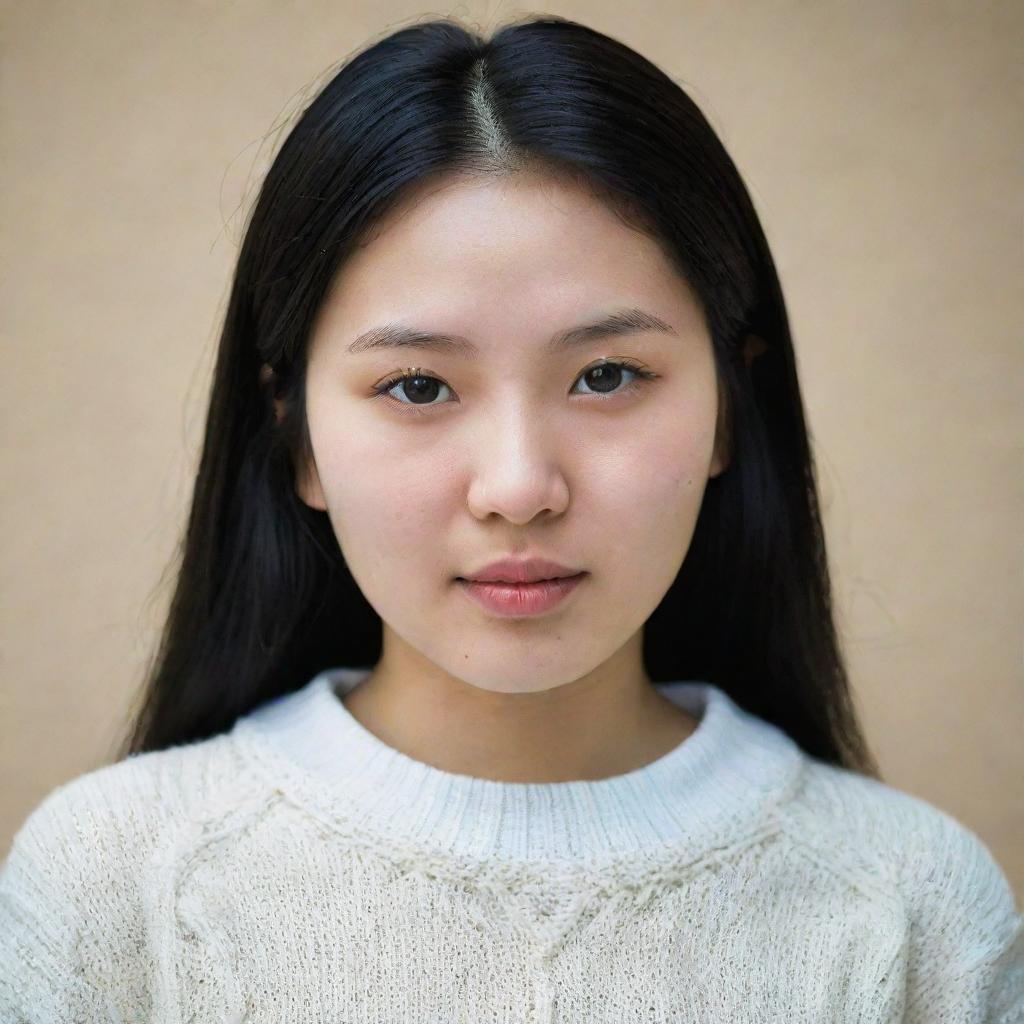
(882, 145)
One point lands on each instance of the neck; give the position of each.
(606, 723)
(720, 783)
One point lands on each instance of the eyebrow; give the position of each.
(618, 322)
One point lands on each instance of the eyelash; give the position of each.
(642, 374)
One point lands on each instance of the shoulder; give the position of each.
(868, 825)
(75, 884)
(963, 930)
(118, 809)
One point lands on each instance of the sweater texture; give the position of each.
(297, 869)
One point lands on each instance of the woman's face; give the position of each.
(513, 446)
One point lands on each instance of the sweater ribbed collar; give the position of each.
(719, 782)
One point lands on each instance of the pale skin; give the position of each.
(516, 450)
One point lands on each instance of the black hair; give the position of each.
(263, 599)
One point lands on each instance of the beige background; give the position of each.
(882, 143)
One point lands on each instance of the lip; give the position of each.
(521, 570)
(521, 599)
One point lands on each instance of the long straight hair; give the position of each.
(263, 599)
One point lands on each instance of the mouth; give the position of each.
(520, 599)
(521, 583)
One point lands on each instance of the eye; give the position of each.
(419, 385)
(606, 375)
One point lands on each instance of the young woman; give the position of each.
(500, 682)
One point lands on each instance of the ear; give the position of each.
(753, 346)
(307, 479)
(267, 377)
(308, 488)
(722, 455)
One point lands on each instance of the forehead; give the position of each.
(526, 256)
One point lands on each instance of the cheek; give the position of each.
(649, 506)
(637, 491)
(679, 468)
(660, 476)
(385, 510)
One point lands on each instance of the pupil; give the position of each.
(604, 374)
(420, 386)
(606, 378)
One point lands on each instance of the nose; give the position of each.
(519, 468)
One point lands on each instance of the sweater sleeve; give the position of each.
(39, 921)
(966, 960)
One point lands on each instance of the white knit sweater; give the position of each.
(297, 869)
